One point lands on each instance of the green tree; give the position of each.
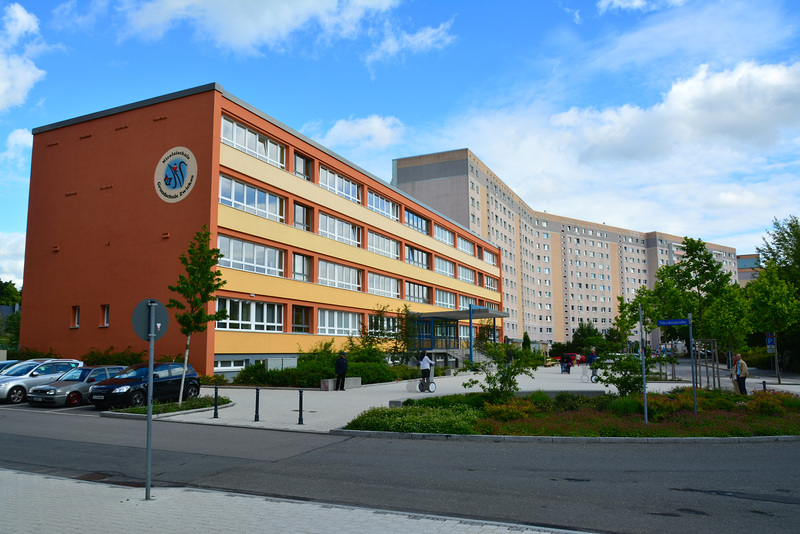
(773, 306)
(10, 329)
(783, 250)
(584, 338)
(9, 294)
(404, 336)
(503, 365)
(197, 288)
(691, 285)
(727, 318)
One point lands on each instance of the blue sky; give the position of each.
(681, 116)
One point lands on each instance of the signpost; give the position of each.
(150, 320)
(685, 322)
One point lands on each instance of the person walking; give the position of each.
(340, 368)
(740, 372)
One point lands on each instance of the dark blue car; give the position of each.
(129, 388)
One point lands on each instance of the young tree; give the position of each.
(504, 364)
(727, 317)
(405, 336)
(692, 284)
(773, 306)
(197, 289)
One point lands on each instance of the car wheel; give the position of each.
(74, 399)
(138, 398)
(192, 391)
(16, 395)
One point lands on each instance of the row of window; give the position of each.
(263, 259)
(262, 147)
(253, 200)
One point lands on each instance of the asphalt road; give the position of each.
(597, 487)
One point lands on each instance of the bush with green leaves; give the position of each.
(623, 371)
(108, 356)
(456, 419)
(500, 371)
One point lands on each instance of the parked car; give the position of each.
(573, 357)
(71, 388)
(129, 388)
(7, 363)
(15, 381)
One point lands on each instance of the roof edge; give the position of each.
(128, 107)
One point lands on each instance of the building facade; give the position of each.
(312, 244)
(557, 271)
(748, 266)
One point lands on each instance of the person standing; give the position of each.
(740, 372)
(340, 368)
(425, 365)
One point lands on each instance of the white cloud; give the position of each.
(18, 147)
(12, 257)
(395, 43)
(366, 133)
(67, 16)
(636, 5)
(18, 74)
(716, 157)
(750, 105)
(246, 25)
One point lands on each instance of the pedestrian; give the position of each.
(740, 373)
(425, 365)
(340, 368)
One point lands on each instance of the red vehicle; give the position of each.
(574, 357)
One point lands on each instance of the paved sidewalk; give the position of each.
(40, 503)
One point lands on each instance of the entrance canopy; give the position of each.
(453, 317)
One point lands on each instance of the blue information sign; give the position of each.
(673, 322)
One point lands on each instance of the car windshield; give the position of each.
(133, 372)
(20, 369)
(77, 374)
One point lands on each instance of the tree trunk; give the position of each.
(185, 365)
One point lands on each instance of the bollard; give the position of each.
(764, 384)
(256, 419)
(216, 401)
(300, 421)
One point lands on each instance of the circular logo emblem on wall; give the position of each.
(176, 174)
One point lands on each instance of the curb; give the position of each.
(555, 439)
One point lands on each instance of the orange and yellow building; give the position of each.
(312, 244)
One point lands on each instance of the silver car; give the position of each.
(16, 380)
(72, 387)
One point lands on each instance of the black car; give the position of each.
(129, 388)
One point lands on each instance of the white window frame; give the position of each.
(338, 275)
(244, 197)
(339, 230)
(250, 257)
(250, 316)
(338, 323)
(336, 183)
(253, 143)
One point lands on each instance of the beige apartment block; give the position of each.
(558, 271)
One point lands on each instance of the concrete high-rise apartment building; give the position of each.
(557, 271)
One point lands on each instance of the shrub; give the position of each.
(25, 353)
(512, 409)
(475, 400)
(541, 400)
(124, 357)
(453, 420)
(567, 401)
(626, 405)
(766, 403)
(213, 380)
